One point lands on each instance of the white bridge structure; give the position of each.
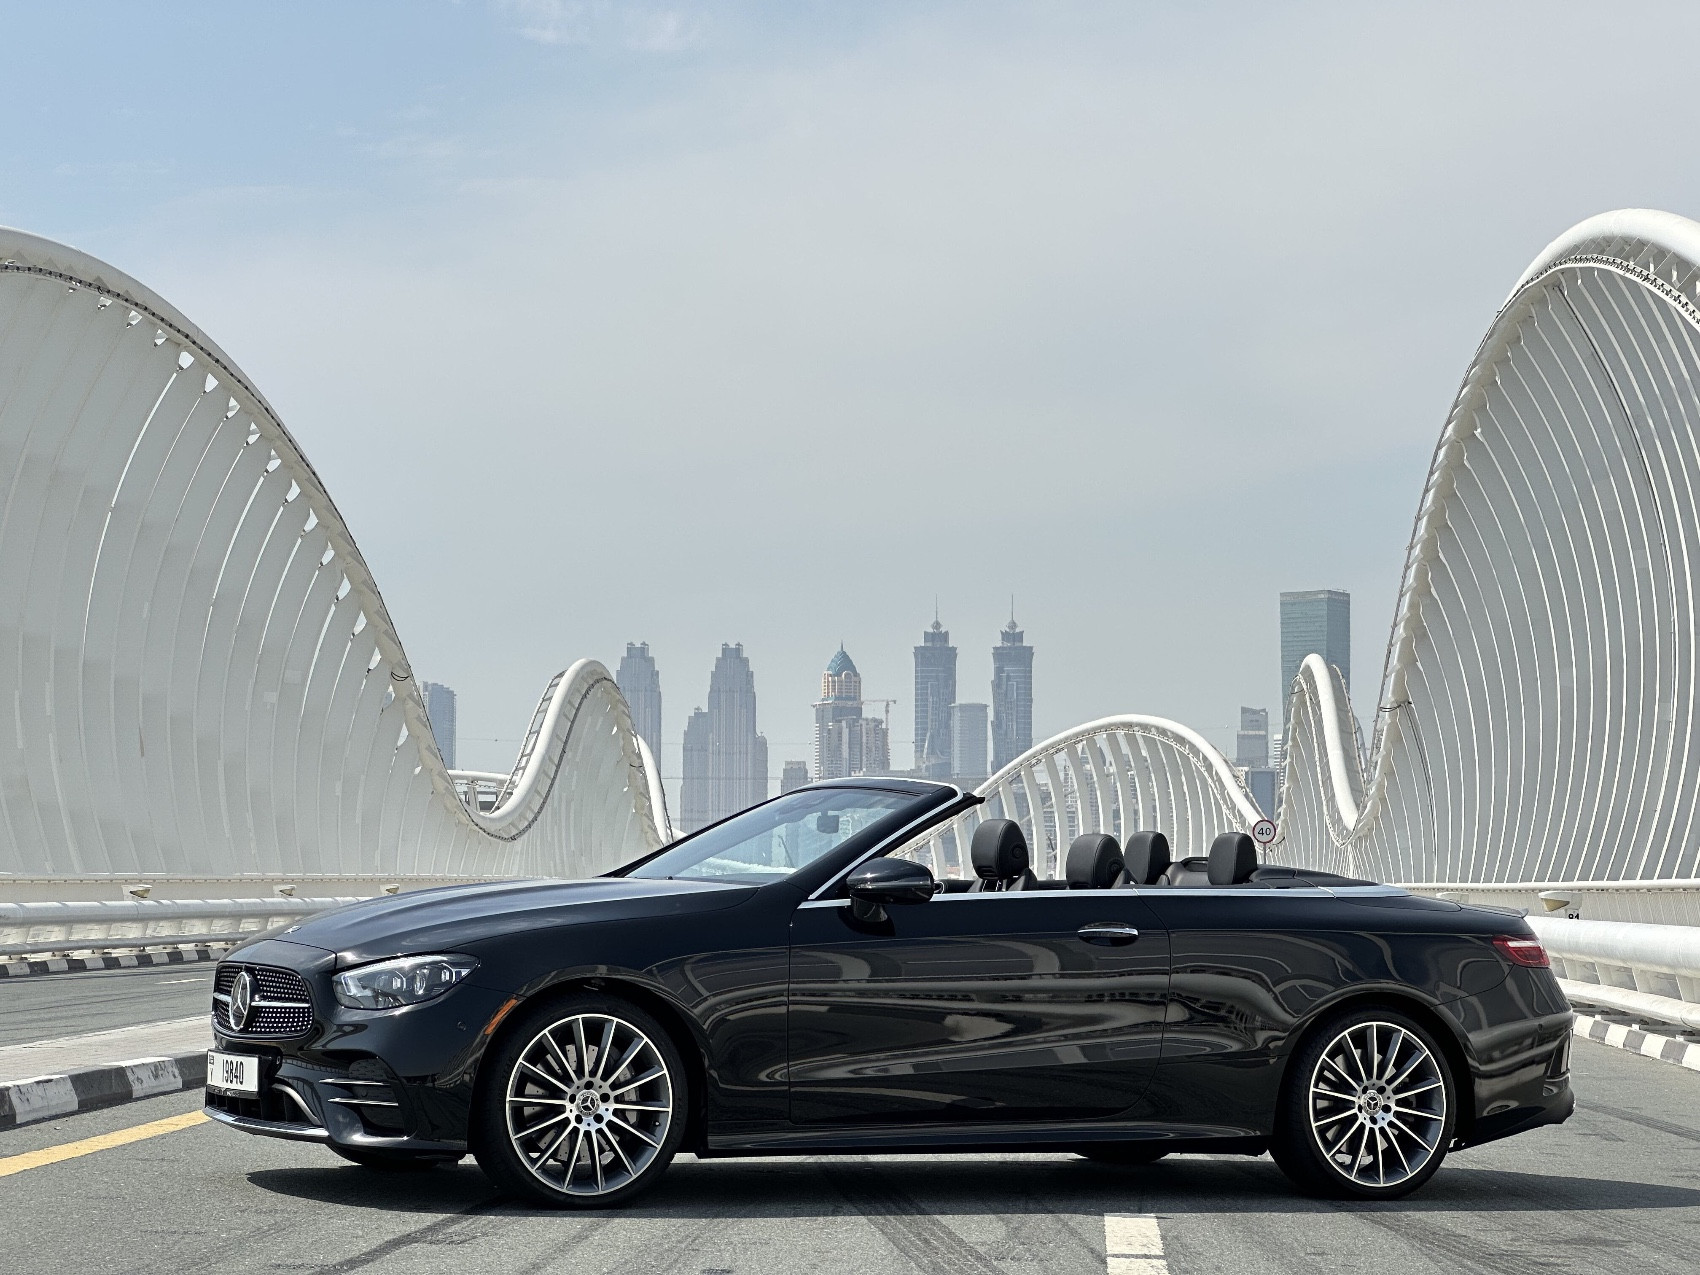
(198, 676)
(1537, 735)
(202, 680)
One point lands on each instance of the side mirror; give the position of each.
(884, 881)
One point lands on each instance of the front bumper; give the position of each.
(393, 1080)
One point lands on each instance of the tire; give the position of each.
(393, 1161)
(1383, 1079)
(582, 1105)
(1126, 1153)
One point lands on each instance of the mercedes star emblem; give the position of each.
(241, 1000)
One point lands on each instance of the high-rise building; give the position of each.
(935, 692)
(794, 776)
(1251, 745)
(693, 794)
(847, 743)
(640, 683)
(1319, 622)
(1262, 783)
(725, 756)
(1012, 696)
(737, 770)
(440, 708)
(968, 724)
(840, 699)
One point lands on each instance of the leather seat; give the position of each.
(1094, 862)
(1146, 858)
(999, 853)
(1233, 858)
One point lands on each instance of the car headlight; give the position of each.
(406, 981)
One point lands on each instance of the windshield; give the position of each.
(769, 842)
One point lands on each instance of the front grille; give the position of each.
(282, 1004)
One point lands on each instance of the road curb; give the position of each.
(1648, 1044)
(136, 960)
(86, 1089)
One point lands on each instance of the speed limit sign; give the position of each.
(1263, 831)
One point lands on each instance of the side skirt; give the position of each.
(921, 1138)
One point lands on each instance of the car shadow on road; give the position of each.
(827, 1187)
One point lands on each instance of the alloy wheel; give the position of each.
(589, 1104)
(1377, 1104)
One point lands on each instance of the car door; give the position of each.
(1032, 1005)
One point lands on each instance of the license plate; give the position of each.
(233, 1073)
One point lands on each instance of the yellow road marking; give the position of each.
(88, 1146)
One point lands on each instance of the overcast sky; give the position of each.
(770, 323)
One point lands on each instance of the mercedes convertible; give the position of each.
(794, 981)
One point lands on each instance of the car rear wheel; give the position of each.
(582, 1105)
(1369, 1107)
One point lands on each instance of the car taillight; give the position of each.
(1521, 951)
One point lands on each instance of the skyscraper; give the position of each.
(440, 708)
(725, 757)
(795, 775)
(1012, 696)
(935, 692)
(640, 683)
(1251, 745)
(1315, 621)
(693, 794)
(737, 767)
(847, 743)
(840, 700)
(968, 743)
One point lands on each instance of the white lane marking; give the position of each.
(1133, 1245)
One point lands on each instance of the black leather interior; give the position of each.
(1145, 858)
(1233, 858)
(1094, 862)
(1190, 872)
(999, 852)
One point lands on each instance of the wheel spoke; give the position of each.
(634, 1130)
(578, 1043)
(1411, 1093)
(538, 1071)
(1422, 1142)
(596, 1159)
(540, 1100)
(560, 1056)
(543, 1156)
(1334, 1093)
(542, 1125)
(1339, 1115)
(1390, 1058)
(640, 1106)
(603, 1049)
(643, 1079)
(620, 1151)
(637, 1047)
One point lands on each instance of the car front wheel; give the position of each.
(582, 1105)
(1369, 1107)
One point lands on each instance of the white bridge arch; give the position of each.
(197, 672)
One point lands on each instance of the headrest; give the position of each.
(1094, 862)
(1146, 857)
(1233, 858)
(999, 850)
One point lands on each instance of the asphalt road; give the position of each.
(1615, 1189)
(47, 1006)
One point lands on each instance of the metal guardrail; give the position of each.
(33, 929)
(1645, 971)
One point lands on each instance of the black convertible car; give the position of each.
(775, 984)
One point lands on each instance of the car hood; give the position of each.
(452, 917)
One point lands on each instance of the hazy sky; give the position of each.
(769, 323)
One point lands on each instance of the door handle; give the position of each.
(1111, 933)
